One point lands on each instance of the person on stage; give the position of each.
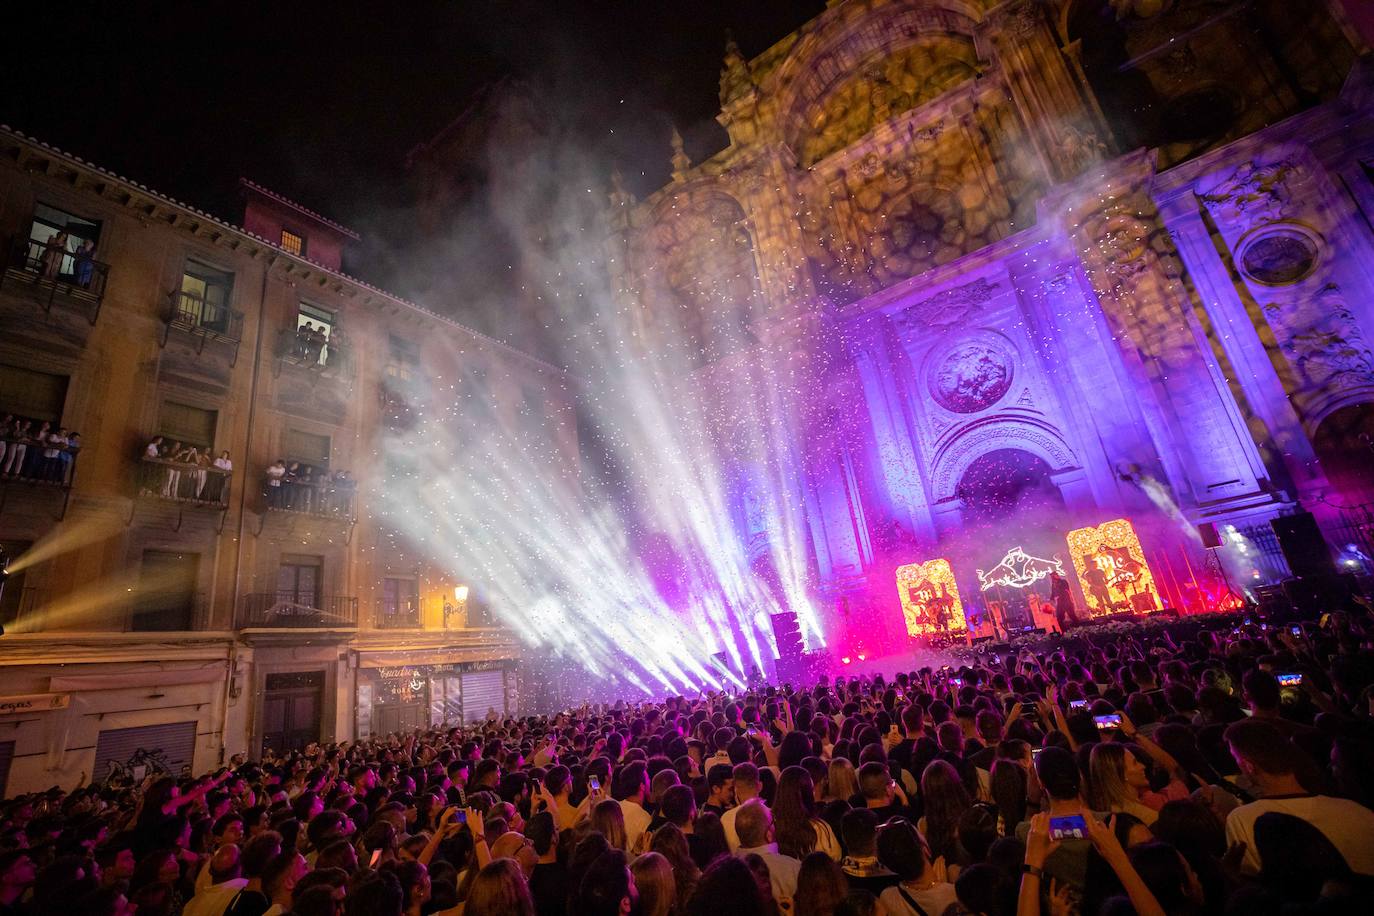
(1062, 596)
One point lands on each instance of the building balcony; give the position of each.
(69, 283)
(187, 484)
(333, 361)
(203, 322)
(25, 466)
(333, 499)
(400, 614)
(288, 610)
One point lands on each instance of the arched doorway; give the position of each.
(1007, 483)
(1344, 444)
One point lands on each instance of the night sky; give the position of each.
(322, 101)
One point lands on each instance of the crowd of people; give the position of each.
(174, 470)
(300, 487)
(1226, 770)
(35, 450)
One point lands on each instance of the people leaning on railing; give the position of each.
(299, 487)
(42, 454)
(174, 471)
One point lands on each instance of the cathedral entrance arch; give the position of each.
(1344, 443)
(1006, 483)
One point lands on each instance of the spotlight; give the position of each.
(845, 660)
(862, 657)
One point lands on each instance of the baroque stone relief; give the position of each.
(947, 310)
(971, 376)
(1255, 192)
(1322, 340)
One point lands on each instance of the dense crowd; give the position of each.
(36, 450)
(1166, 771)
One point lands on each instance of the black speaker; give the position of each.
(787, 634)
(1209, 534)
(1303, 546)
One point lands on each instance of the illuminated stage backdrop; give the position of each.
(1112, 570)
(930, 598)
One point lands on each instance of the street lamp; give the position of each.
(460, 605)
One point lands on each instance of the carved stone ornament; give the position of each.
(971, 376)
(1255, 192)
(948, 309)
(1023, 19)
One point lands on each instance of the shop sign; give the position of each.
(34, 702)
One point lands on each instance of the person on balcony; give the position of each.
(198, 461)
(276, 477)
(53, 253)
(35, 458)
(85, 264)
(171, 484)
(53, 448)
(20, 436)
(67, 456)
(218, 487)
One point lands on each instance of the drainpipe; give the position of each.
(243, 503)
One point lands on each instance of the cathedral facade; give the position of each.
(1030, 267)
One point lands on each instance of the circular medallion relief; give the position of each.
(971, 377)
(1280, 258)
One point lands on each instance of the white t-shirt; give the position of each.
(224, 464)
(1348, 825)
(934, 900)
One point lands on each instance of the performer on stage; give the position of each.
(1062, 596)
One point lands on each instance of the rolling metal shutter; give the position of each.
(483, 690)
(163, 749)
(6, 755)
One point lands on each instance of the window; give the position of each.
(166, 591)
(400, 602)
(314, 318)
(32, 395)
(299, 578)
(204, 299)
(403, 357)
(187, 425)
(48, 222)
(307, 448)
(293, 242)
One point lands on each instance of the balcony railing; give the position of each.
(203, 321)
(292, 610)
(199, 485)
(72, 278)
(400, 613)
(24, 459)
(333, 360)
(335, 499)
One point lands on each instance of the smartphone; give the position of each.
(460, 816)
(1290, 680)
(376, 857)
(1108, 723)
(1077, 704)
(594, 783)
(1247, 621)
(997, 659)
(1295, 630)
(1072, 827)
(957, 681)
(1035, 753)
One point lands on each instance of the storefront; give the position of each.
(399, 698)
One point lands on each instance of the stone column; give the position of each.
(1062, 121)
(1132, 264)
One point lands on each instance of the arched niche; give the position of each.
(698, 261)
(1344, 444)
(1004, 483)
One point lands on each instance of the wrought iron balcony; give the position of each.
(52, 279)
(400, 613)
(292, 610)
(177, 481)
(334, 499)
(24, 463)
(203, 320)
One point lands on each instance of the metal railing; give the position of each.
(399, 613)
(25, 459)
(178, 481)
(291, 609)
(328, 499)
(194, 313)
(334, 359)
(73, 276)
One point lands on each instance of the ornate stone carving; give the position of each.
(1323, 341)
(971, 376)
(1254, 192)
(1280, 258)
(734, 73)
(681, 161)
(948, 309)
(955, 457)
(1079, 149)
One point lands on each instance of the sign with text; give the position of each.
(1112, 570)
(930, 598)
(34, 702)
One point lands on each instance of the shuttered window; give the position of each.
(32, 395)
(483, 690)
(187, 425)
(306, 448)
(137, 752)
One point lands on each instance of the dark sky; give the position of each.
(321, 101)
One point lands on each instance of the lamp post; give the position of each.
(460, 605)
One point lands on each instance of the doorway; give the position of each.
(291, 710)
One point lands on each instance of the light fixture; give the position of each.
(460, 593)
